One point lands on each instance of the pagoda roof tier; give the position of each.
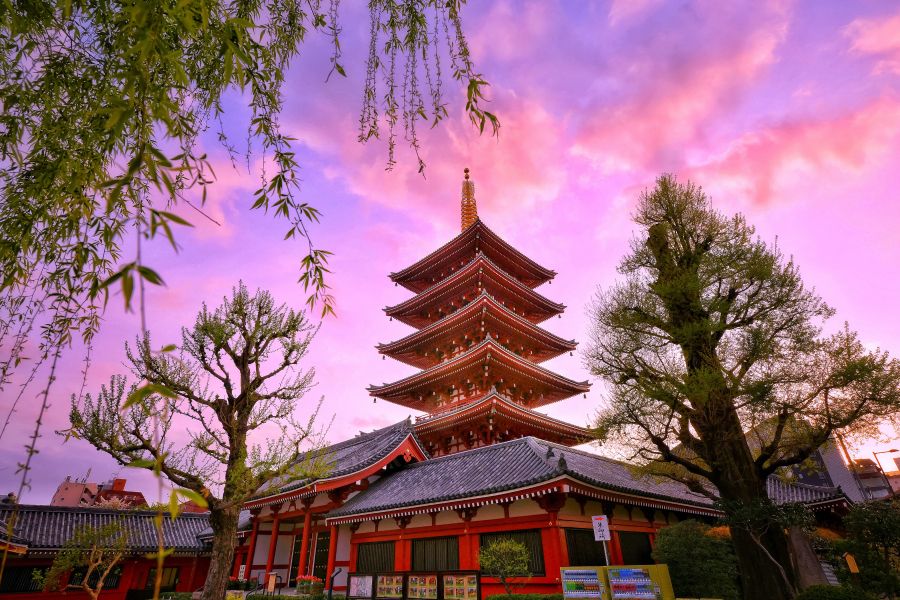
(458, 251)
(485, 311)
(499, 411)
(543, 386)
(481, 274)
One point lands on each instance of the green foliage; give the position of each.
(873, 538)
(831, 592)
(237, 371)
(699, 564)
(93, 550)
(504, 558)
(176, 596)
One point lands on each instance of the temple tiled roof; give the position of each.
(349, 456)
(785, 492)
(504, 467)
(49, 527)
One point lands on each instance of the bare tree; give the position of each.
(719, 370)
(236, 373)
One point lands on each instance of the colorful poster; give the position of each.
(422, 587)
(389, 586)
(582, 583)
(460, 587)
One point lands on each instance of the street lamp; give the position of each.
(878, 463)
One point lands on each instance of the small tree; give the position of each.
(237, 373)
(719, 371)
(873, 537)
(505, 558)
(92, 553)
(700, 563)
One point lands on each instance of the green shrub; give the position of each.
(700, 565)
(175, 596)
(526, 597)
(832, 592)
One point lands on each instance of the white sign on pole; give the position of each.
(601, 528)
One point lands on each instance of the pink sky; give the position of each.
(787, 112)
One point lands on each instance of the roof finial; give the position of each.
(469, 208)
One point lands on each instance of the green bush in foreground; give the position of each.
(700, 565)
(831, 592)
(262, 596)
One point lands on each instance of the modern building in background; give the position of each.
(80, 492)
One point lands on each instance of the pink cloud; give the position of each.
(880, 37)
(675, 100)
(763, 164)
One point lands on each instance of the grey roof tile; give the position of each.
(349, 456)
(49, 527)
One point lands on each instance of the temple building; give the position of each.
(481, 461)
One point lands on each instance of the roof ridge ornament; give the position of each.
(469, 210)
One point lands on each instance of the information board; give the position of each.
(422, 586)
(360, 586)
(601, 528)
(583, 583)
(389, 586)
(461, 587)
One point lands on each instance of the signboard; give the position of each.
(360, 586)
(601, 528)
(241, 570)
(272, 580)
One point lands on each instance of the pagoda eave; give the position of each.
(488, 275)
(542, 344)
(416, 277)
(417, 391)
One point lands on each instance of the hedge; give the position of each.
(831, 592)
(175, 596)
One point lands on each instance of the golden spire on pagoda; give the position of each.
(469, 208)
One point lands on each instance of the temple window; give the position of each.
(435, 554)
(636, 548)
(375, 557)
(583, 550)
(531, 538)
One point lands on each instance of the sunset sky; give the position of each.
(787, 112)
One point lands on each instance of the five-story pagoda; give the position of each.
(478, 344)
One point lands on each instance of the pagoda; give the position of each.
(478, 344)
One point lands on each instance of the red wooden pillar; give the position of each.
(273, 541)
(303, 562)
(332, 553)
(251, 550)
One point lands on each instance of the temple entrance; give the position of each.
(320, 555)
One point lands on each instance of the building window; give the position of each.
(169, 579)
(110, 583)
(583, 550)
(532, 540)
(636, 548)
(375, 557)
(22, 579)
(435, 554)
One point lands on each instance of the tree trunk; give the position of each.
(224, 524)
(763, 556)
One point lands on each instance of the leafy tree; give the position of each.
(237, 373)
(93, 552)
(873, 538)
(505, 558)
(700, 563)
(104, 103)
(718, 368)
